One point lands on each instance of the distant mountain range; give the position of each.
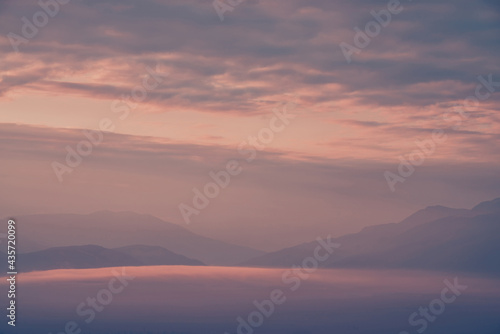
(92, 256)
(122, 229)
(435, 238)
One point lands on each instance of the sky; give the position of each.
(181, 93)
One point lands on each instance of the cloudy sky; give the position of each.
(218, 82)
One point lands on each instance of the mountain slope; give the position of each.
(113, 230)
(74, 257)
(469, 244)
(157, 256)
(92, 256)
(365, 241)
(436, 238)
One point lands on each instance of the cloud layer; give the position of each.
(224, 79)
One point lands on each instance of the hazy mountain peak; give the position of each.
(127, 216)
(432, 213)
(119, 229)
(142, 248)
(488, 206)
(434, 238)
(438, 207)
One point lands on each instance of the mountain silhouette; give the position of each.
(120, 229)
(92, 256)
(435, 238)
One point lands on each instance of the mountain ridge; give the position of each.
(119, 229)
(466, 237)
(94, 256)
